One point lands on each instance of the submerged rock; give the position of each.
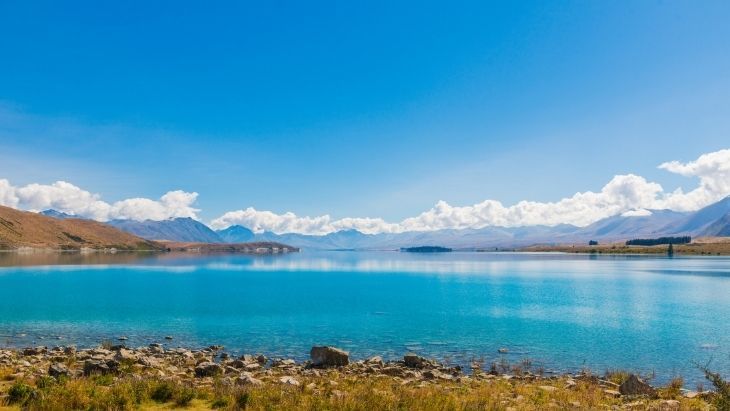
(329, 357)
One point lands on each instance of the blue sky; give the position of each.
(359, 110)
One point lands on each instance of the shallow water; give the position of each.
(564, 312)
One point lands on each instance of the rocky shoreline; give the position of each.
(211, 367)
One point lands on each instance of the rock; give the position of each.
(634, 386)
(283, 363)
(238, 364)
(252, 366)
(288, 380)
(261, 359)
(168, 337)
(377, 360)
(57, 370)
(246, 379)
(122, 338)
(547, 388)
(156, 348)
(125, 355)
(35, 350)
(329, 357)
(415, 361)
(503, 350)
(92, 367)
(436, 375)
(392, 371)
(208, 369)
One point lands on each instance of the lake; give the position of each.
(564, 312)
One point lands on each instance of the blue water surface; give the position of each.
(564, 312)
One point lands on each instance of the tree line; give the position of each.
(661, 240)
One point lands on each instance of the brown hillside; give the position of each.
(26, 229)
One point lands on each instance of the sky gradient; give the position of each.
(359, 110)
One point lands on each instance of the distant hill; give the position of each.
(701, 220)
(236, 234)
(177, 229)
(719, 228)
(26, 229)
(625, 227)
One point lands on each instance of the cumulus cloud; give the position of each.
(68, 198)
(628, 194)
(713, 171)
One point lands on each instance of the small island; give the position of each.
(426, 249)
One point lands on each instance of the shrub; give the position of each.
(242, 398)
(184, 396)
(163, 392)
(722, 399)
(220, 402)
(20, 393)
(675, 386)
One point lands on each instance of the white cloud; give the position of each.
(639, 212)
(628, 195)
(68, 198)
(713, 170)
(625, 194)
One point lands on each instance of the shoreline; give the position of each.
(203, 377)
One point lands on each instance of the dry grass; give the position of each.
(331, 391)
(702, 246)
(26, 229)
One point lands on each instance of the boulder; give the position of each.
(208, 369)
(57, 370)
(634, 386)
(329, 357)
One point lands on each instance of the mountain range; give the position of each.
(713, 220)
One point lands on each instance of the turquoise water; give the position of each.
(565, 312)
